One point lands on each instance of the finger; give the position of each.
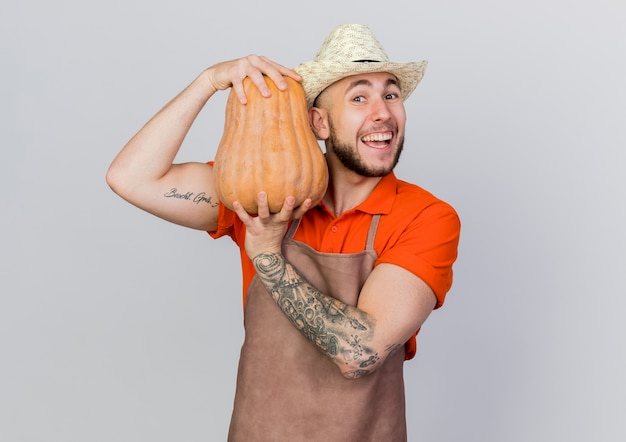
(302, 209)
(241, 213)
(259, 69)
(280, 69)
(277, 72)
(260, 82)
(286, 211)
(248, 67)
(239, 91)
(273, 70)
(263, 206)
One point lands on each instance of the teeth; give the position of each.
(377, 137)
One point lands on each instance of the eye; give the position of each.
(391, 96)
(359, 99)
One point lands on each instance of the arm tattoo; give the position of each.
(337, 329)
(197, 198)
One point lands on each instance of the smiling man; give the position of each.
(334, 293)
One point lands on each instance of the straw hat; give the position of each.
(351, 50)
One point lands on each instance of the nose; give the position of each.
(380, 110)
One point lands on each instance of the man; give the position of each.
(334, 294)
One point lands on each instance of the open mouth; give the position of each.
(377, 140)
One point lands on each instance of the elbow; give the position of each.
(111, 178)
(113, 182)
(115, 179)
(358, 370)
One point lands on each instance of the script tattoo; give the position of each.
(197, 198)
(334, 327)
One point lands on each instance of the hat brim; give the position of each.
(318, 75)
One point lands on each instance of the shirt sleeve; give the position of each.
(427, 247)
(225, 223)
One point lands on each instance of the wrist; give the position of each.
(267, 263)
(257, 250)
(206, 78)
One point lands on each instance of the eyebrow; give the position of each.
(364, 81)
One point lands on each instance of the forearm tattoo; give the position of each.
(340, 331)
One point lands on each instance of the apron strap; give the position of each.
(371, 234)
(292, 229)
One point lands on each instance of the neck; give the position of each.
(346, 190)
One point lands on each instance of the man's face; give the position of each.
(366, 117)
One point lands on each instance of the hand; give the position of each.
(265, 232)
(232, 73)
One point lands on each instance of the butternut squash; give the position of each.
(267, 145)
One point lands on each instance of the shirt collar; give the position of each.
(382, 198)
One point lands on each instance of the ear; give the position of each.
(318, 119)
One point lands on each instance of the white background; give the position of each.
(117, 326)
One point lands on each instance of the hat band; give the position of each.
(365, 61)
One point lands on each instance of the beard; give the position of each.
(351, 160)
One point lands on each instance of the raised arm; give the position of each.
(144, 173)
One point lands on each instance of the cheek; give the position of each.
(351, 126)
(400, 117)
(342, 127)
